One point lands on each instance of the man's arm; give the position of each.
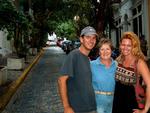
(63, 94)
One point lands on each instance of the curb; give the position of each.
(4, 100)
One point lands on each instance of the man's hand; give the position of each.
(68, 110)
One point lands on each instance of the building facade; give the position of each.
(132, 15)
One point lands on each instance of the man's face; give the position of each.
(88, 41)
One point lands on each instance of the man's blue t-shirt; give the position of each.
(79, 85)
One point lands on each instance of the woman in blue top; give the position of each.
(103, 76)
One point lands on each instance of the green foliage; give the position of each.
(44, 5)
(66, 29)
(8, 13)
(51, 16)
(42, 10)
(16, 24)
(9, 17)
(7, 5)
(62, 20)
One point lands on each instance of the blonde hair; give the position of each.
(136, 50)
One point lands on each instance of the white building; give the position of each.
(6, 46)
(132, 15)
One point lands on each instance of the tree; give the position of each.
(42, 10)
(66, 11)
(67, 29)
(16, 24)
(104, 15)
(8, 14)
(54, 15)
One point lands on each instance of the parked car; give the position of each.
(51, 43)
(67, 46)
(76, 44)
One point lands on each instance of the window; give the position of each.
(118, 31)
(137, 20)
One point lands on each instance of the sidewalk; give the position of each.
(15, 78)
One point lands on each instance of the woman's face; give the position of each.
(105, 52)
(126, 47)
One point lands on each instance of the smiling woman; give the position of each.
(126, 46)
(103, 76)
(131, 66)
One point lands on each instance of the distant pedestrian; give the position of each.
(143, 44)
(75, 84)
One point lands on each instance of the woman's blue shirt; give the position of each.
(103, 78)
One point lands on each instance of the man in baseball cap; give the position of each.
(88, 31)
(75, 82)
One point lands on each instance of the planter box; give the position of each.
(3, 75)
(15, 63)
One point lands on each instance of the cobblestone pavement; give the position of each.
(39, 92)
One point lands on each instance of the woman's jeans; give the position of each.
(104, 103)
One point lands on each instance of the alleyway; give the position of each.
(39, 92)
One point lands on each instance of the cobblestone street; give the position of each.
(39, 92)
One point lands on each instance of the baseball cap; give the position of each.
(88, 31)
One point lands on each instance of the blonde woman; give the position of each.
(131, 64)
